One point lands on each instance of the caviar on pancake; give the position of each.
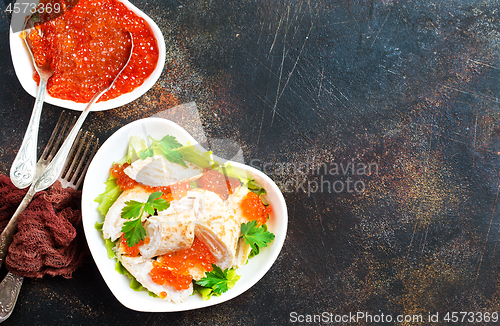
(88, 46)
(175, 268)
(217, 182)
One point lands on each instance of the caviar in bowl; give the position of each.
(86, 54)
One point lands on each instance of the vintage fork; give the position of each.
(70, 174)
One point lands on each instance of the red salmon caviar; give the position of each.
(175, 191)
(134, 250)
(122, 180)
(173, 269)
(217, 182)
(87, 47)
(254, 209)
(180, 189)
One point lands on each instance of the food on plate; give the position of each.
(179, 223)
(168, 233)
(157, 171)
(88, 45)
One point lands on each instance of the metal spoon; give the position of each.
(23, 168)
(11, 284)
(60, 158)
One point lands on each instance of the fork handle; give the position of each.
(10, 229)
(23, 168)
(9, 291)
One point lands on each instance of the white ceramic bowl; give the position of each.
(24, 68)
(113, 150)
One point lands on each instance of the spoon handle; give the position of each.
(23, 168)
(9, 291)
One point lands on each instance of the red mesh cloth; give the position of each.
(49, 238)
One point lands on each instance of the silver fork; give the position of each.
(70, 174)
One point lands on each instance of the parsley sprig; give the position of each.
(216, 282)
(133, 230)
(167, 147)
(256, 236)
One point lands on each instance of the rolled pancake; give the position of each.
(216, 227)
(234, 200)
(168, 232)
(189, 202)
(158, 171)
(172, 229)
(243, 250)
(140, 267)
(113, 222)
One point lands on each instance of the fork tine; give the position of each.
(72, 157)
(53, 136)
(80, 155)
(60, 131)
(80, 171)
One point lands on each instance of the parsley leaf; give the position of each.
(134, 231)
(167, 146)
(216, 282)
(169, 142)
(132, 209)
(174, 157)
(145, 153)
(154, 201)
(256, 237)
(133, 212)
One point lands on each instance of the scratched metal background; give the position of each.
(412, 86)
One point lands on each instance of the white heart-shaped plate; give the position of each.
(24, 66)
(113, 150)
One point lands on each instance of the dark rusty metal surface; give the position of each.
(379, 120)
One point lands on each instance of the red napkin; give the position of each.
(49, 238)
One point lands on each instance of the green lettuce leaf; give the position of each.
(134, 284)
(192, 154)
(108, 244)
(109, 196)
(135, 145)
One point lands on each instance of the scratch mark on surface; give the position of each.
(487, 235)
(484, 64)
(460, 141)
(412, 237)
(474, 144)
(279, 84)
(382, 27)
(425, 239)
(285, 118)
(388, 70)
(291, 72)
(278, 92)
(320, 83)
(260, 127)
(484, 97)
(275, 36)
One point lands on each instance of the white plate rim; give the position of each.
(251, 273)
(24, 69)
